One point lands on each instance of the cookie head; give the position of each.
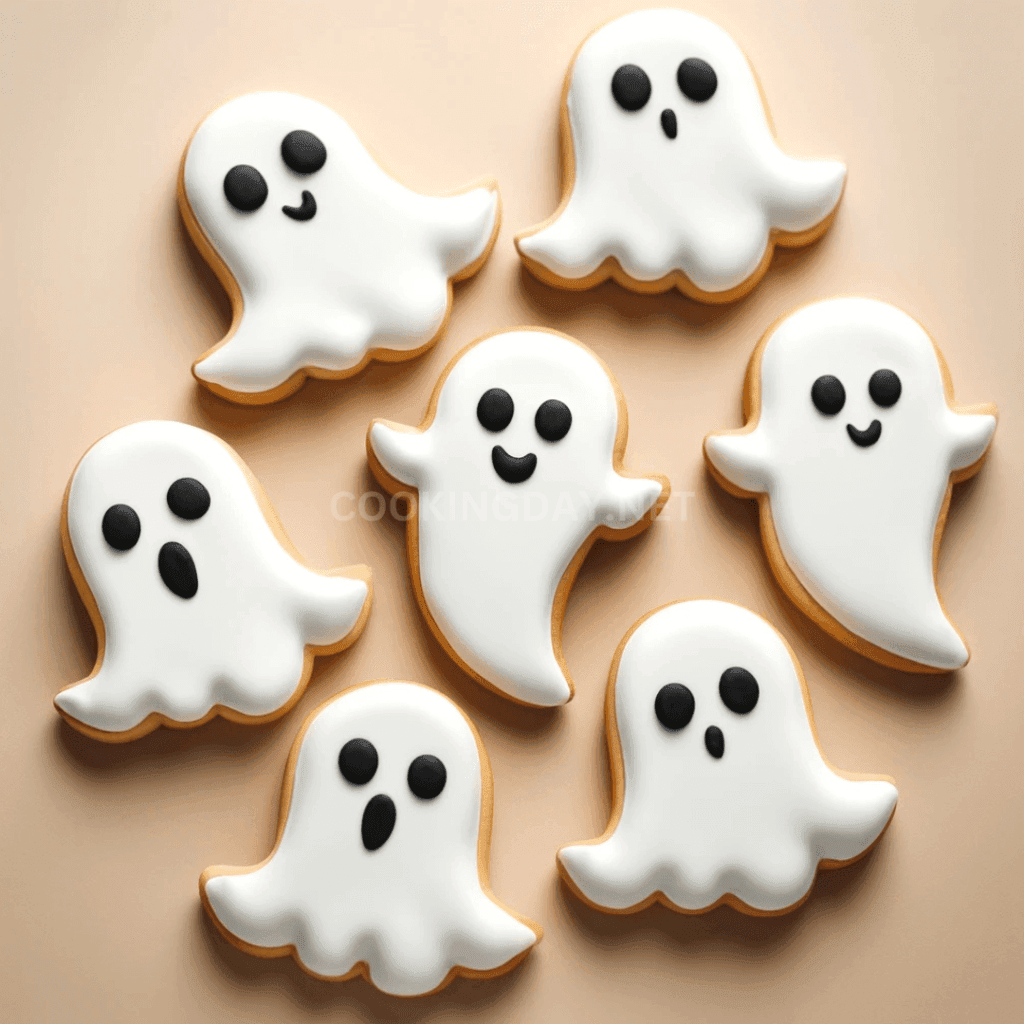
(854, 445)
(674, 163)
(200, 605)
(725, 790)
(378, 858)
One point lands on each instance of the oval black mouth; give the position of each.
(307, 211)
(714, 741)
(378, 821)
(177, 570)
(865, 438)
(668, 123)
(511, 469)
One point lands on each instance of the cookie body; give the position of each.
(672, 177)
(851, 449)
(380, 865)
(201, 605)
(720, 792)
(516, 470)
(328, 260)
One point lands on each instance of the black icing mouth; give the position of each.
(378, 821)
(668, 123)
(307, 211)
(177, 570)
(865, 438)
(714, 741)
(511, 469)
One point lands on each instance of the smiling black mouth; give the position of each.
(511, 469)
(865, 438)
(307, 211)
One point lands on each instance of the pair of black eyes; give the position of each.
(829, 395)
(358, 761)
(631, 87)
(674, 705)
(246, 189)
(187, 498)
(496, 409)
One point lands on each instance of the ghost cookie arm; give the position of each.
(626, 500)
(398, 454)
(466, 225)
(801, 194)
(970, 434)
(739, 461)
(852, 815)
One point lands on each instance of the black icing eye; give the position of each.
(187, 498)
(631, 87)
(739, 690)
(884, 388)
(697, 79)
(303, 152)
(427, 776)
(828, 395)
(121, 527)
(553, 420)
(674, 706)
(245, 188)
(358, 761)
(494, 410)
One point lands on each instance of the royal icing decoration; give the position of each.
(380, 864)
(199, 605)
(673, 176)
(518, 469)
(720, 792)
(851, 447)
(329, 261)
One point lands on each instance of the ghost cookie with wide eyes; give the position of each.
(720, 792)
(671, 174)
(852, 446)
(380, 867)
(328, 260)
(514, 473)
(201, 605)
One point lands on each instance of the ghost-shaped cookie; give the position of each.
(851, 449)
(720, 792)
(518, 469)
(380, 865)
(328, 260)
(200, 603)
(672, 176)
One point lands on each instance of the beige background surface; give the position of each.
(105, 304)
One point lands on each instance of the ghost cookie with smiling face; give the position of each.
(518, 469)
(200, 603)
(851, 449)
(672, 177)
(328, 260)
(381, 860)
(720, 792)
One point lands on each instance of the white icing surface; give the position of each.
(370, 270)
(857, 525)
(412, 909)
(702, 203)
(754, 823)
(239, 642)
(491, 554)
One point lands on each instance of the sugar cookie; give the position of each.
(671, 174)
(851, 448)
(201, 605)
(380, 864)
(720, 793)
(328, 260)
(518, 468)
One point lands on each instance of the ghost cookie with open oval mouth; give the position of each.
(518, 469)
(720, 791)
(851, 448)
(201, 605)
(672, 177)
(328, 260)
(381, 860)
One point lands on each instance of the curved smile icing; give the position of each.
(511, 469)
(307, 211)
(867, 437)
